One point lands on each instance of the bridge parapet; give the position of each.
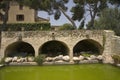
(73, 33)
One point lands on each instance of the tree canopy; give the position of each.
(109, 19)
(93, 7)
(66, 26)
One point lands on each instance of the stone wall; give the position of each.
(105, 38)
(29, 14)
(116, 47)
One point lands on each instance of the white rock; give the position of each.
(76, 59)
(118, 65)
(22, 59)
(48, 59)
(88, 58)
(100, 57)
(30, 59)
(1, 65)
(55, 58)
(81, 57)
(18, 60)
(93, 57)
(58, 58)
(59, 61)
(66, 58)
(8, 59)
(14, 59)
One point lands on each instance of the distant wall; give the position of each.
(116, 47)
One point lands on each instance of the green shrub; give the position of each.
(40, 59)
(26, 26)
(86, 54)
(2, 61)
(116, 59)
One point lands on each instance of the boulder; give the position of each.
(118, 65)
(93, 57)
(30, 59)
(48, 59)
(8, 59)
(100, 57)
(81, 57)
(59, 61)
(66, 58)
(88, 58)
(76, 59)
(84, 61)
(18, 60)
(58, 58)
(14, 59)
(93, 61)
(55, 58)
(22, 59)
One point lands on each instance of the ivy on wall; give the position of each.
(26, 26)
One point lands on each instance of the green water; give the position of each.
(61, 72)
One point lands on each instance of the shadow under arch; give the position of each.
(87, 46)
(54, 48)
(19, 48)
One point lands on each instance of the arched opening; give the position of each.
(88, 46)
(54, 48)
(19, 48)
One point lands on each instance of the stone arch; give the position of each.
(89, 46)
(19, 48)
(54, 48)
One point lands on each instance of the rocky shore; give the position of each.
(55, 60)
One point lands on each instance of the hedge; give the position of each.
(116, 59)
(26, 26)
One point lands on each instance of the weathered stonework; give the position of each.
(36, 39)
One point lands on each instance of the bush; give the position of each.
(116, 59)
(86, 54)
(2, 61)
(40, 59)
(26, 26)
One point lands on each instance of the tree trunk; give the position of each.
(73, 23)
(5, 19)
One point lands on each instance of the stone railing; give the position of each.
(73, 33)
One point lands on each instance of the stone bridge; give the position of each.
(60, 42)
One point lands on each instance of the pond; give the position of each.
(61, 72)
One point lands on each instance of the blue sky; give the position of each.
(62, 19)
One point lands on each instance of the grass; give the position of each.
(67, 72)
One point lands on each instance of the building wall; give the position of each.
(29, 14)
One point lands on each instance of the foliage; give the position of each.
(109, 19)
(27, 26)
(82, 25)
(87, 6)
(116, 59)
(51, 6)
(4, 8)
(66, 26)
(115, 2)
(2, 61)
(86, 54)
(40, 59)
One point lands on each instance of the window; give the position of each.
(20, 17)
(21, 7)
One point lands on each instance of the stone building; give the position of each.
(23, 14)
